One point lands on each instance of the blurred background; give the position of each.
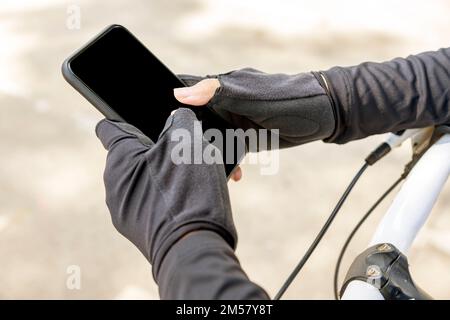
(52, 210)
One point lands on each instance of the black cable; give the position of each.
(321, 233)
(355, 229)
(408, 167)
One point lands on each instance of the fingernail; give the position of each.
(182, 92)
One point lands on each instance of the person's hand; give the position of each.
(153, 201)
(200, 95)
(297, 105)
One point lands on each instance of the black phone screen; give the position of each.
(135, 84)
(130, 79)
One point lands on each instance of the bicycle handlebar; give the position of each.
(410, 209)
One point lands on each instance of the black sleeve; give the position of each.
(203, 266)
(374, 98)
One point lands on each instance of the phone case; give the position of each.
(82, 88)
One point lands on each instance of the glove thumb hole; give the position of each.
(190, 80)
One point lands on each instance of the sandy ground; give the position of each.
(52, 210)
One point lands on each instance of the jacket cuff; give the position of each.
(174, 238)
(340, 93)
(202, 265)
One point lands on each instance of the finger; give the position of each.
(237, 174)
(181, 118)
(199, 94)
(121, 136)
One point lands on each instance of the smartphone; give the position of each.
(126, 82)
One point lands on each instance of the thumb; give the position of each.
(199, 94)
(181, 118)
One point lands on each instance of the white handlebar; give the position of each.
(410, 209)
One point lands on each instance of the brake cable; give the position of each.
(377, 154)
(353, 232)
(408, 167)
(321, 233)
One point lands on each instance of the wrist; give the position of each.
(186, 233)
